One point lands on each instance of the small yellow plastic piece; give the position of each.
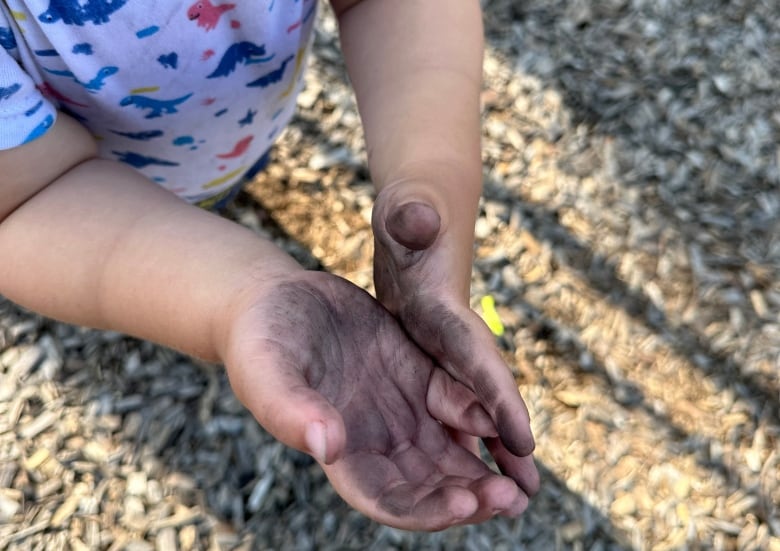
(490, 315)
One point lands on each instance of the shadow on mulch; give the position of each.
(601, 273)
(708, 202)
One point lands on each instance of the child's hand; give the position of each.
(416, 277)
(327, 370)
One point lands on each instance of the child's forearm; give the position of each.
(103, 247)
(416, 66)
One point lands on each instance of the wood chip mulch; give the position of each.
(630, 236)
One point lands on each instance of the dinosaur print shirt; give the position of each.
(189, 93)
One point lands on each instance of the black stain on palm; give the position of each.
(352, 351)
(398, 503)
(356, 355)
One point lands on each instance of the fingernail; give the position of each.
(317, 441)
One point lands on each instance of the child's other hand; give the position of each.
(327, 370)
(416, 273)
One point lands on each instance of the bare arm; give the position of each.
(416, 66)
(92, 242)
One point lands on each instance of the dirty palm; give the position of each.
(335, 350)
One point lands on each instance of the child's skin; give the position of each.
(320, 364)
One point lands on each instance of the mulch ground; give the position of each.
(630, 237)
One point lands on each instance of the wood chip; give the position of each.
(181, 518)
(64, 511)
(38, 425)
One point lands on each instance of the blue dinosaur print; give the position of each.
(34, 109)
(7, 39)
(249, 119)
(9, 91)
(72, 12)
(141, 161)
(169, 60)
(156, 106)
(93, 85)
(183, 140)
(310, 12)
(148, 31)
(41, 129)
(47, 53)
(221, 112)
(240, 52)
(273, 77)
(144, 136)
(83, 48)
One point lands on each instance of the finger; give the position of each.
(463, 345)
(464, 440)
(282, 401)
(434, 451)
(520, 469)
(467, 351)
(495, 493)
(517, 508)
(423, 508)
(374, 485)
(449, 501)
(461, 461)
(407, 214)
(414, 225)
(455, 405)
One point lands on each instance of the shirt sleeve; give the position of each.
(25, 114)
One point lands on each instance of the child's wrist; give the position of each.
(451, 187)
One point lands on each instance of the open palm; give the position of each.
(326, 369)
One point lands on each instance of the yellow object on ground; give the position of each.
(490, 315)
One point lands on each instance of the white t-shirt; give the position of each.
(191, 94)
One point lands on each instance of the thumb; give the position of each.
(402, 213)
(413, 224)
(294, 413)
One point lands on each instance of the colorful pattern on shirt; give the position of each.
(191, 94)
